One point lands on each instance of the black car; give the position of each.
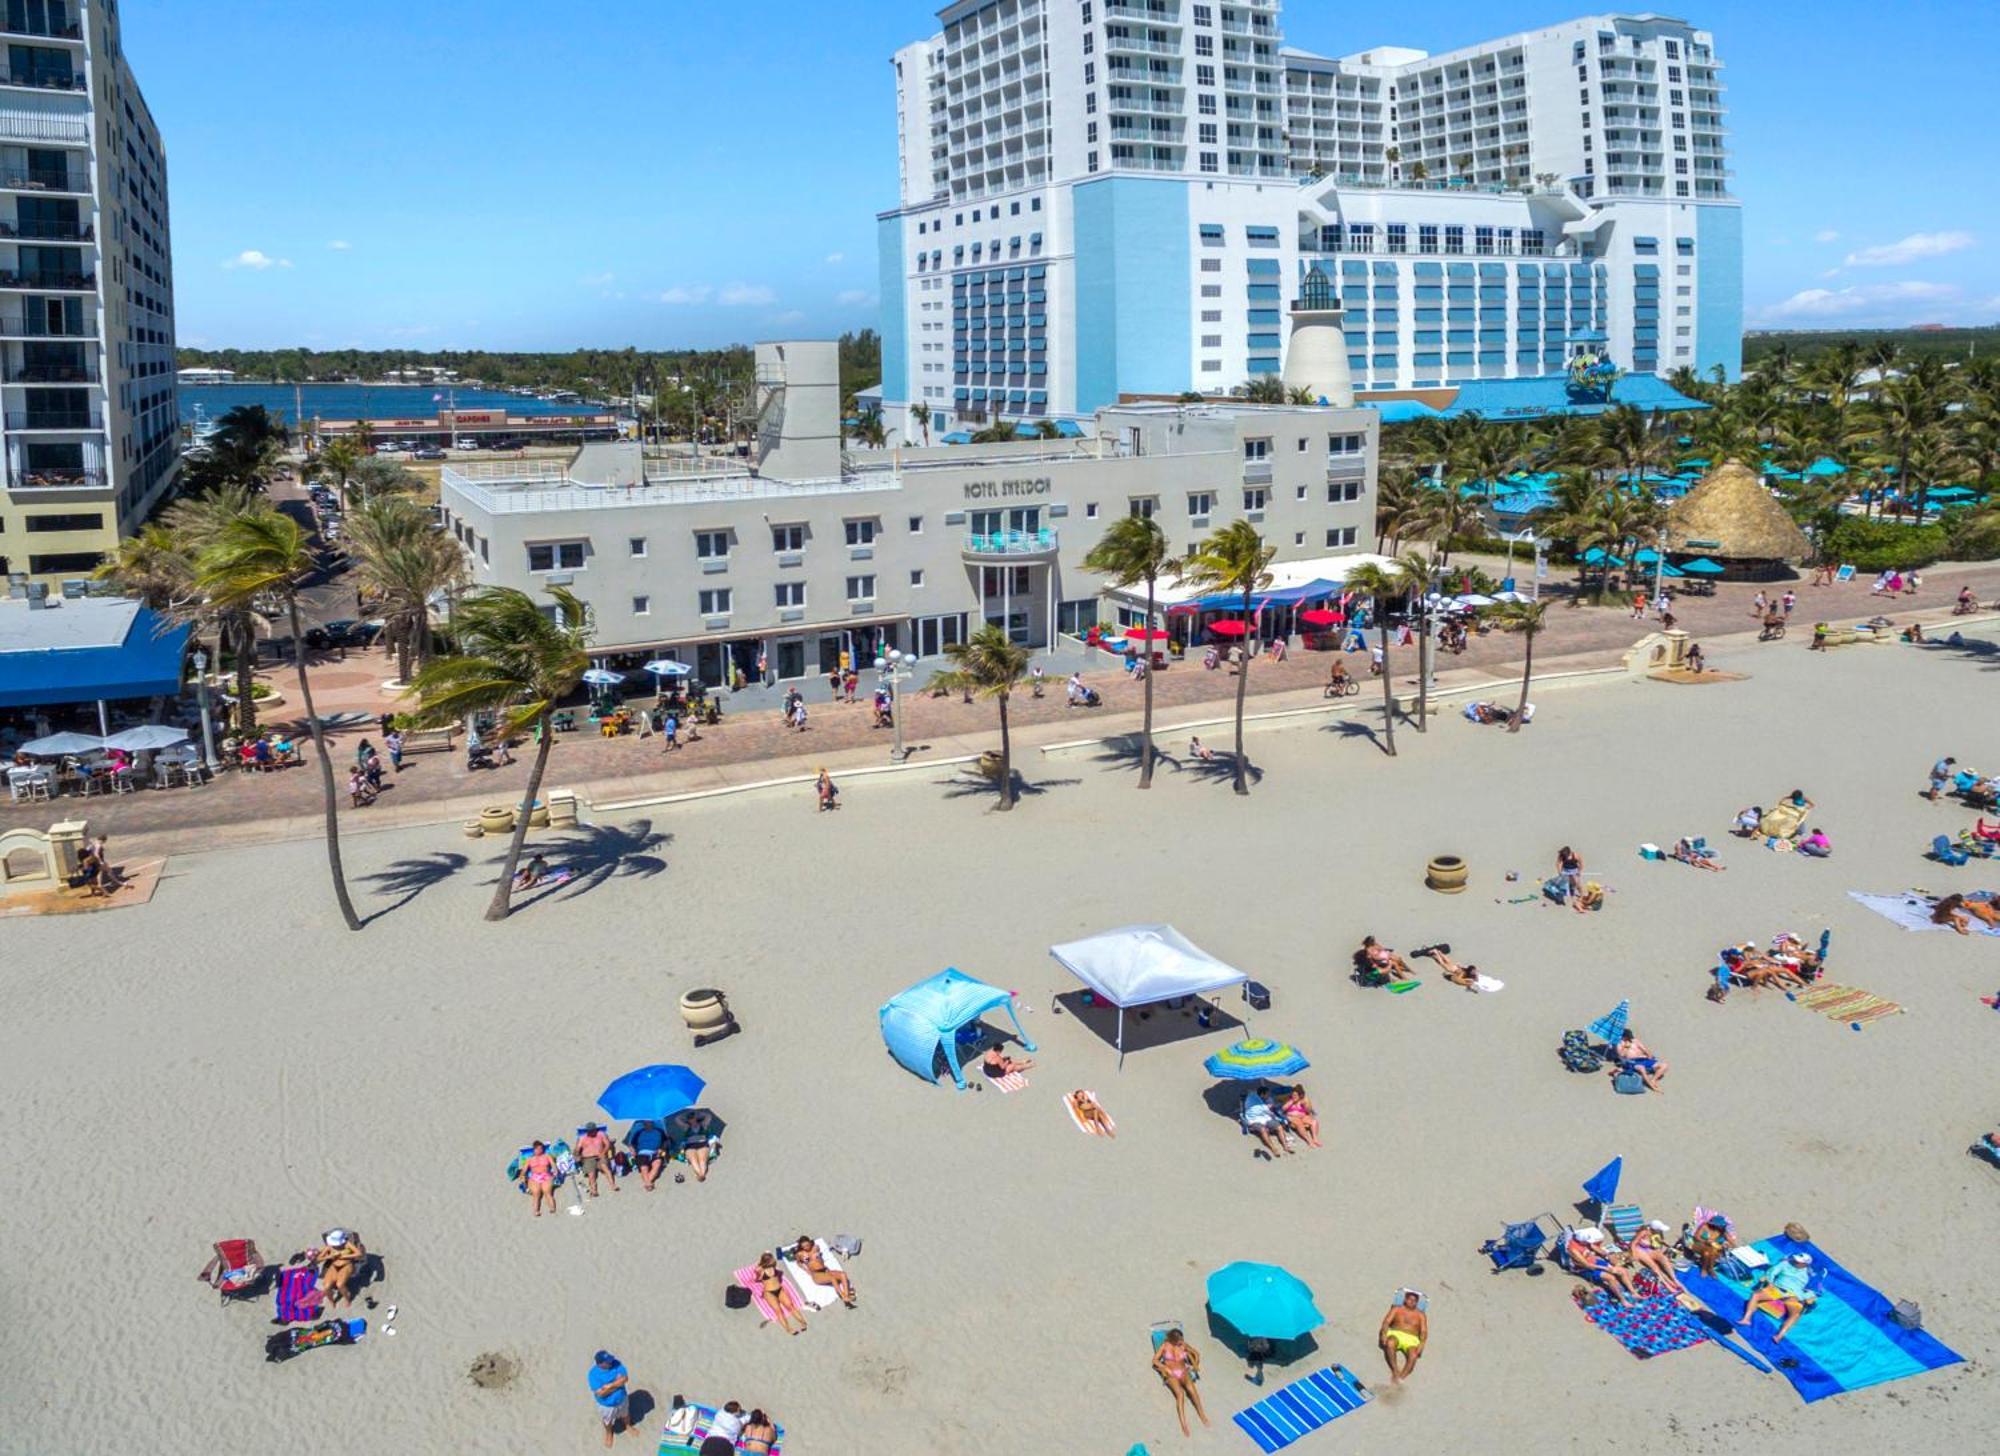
(344, 633)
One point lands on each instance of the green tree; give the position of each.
(988, 665)
(198, 522)
(1133, 549)
(868, 429)
(335, 464)
(151, 567)
(1233, 559)
(403, 560)
(1527, 619)
(999, 432)
(261, 553)
(920, 415)
(517, 662)
(1381, 585)
(1265, 389)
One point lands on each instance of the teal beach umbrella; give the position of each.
(1263, 1300)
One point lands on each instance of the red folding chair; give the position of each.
(236, 1271)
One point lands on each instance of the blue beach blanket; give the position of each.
(1654, 1325)
(1913, 912)
(1302, 1408)
(1845, 1342)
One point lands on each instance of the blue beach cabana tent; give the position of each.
(924, 1020)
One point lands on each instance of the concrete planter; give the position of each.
(1446, 873)
(497, 819)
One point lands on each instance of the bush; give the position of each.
(1883, 545)
(1973, 536)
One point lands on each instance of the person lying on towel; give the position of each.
(1091, 1113)
(996, 1063)
(1782, 1292)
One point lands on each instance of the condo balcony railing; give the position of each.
(64, 419)
(81, 477)
(48, 231)
(73, 282)
(43, 180)
(1011, 543)
(42, 80)
(46, 373)
(40, 326)
(43, 31)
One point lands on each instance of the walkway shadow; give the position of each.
(1221, 769)
(593, 854)
(409, 878)
(1126, 751)
(1977, 649)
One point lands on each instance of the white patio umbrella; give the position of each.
(603, 677)
(667, 667)
(1474, 599)
(147, 736)
(1510, 597)
(57, 744)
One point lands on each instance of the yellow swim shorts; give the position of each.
(1403, 1339)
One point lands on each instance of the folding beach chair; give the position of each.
(236, 1270)
(1623, 1219)
(1520, 1245)
(1945, 852)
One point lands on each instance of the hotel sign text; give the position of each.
(1001, 489)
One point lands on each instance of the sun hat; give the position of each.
(1659, 1224)
(1591, 1235)
(1802, 1257)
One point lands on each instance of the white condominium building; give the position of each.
(1102, 201)
(89, 435)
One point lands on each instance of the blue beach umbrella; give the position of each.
(1262, 1300)
(1254, 1057)
(1609, 1027)
(654, 1093)
(1602, 1186)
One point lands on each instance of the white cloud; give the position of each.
(1909, 301)
(252, 258)
(1826, 235)
(340, 245)
(789, 316)
(854, 298)
(746, 295)
(682, 294)
(834, 260)
(597, 280)
(1910, 249)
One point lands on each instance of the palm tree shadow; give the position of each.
(409, 878)
(975, 786)
(593, 854)
(1221, 769)
(1976, 649)
(1127, 750)
(1352, 728)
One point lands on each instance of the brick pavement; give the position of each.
(754, 746)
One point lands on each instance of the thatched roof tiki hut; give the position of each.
(1731, 518)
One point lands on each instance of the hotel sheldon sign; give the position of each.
(1006, 489)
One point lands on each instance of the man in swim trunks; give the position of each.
(593, 1156)
(1404, 1329)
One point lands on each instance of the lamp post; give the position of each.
(893, 669)
(207, 726)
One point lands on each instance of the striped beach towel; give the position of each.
(1845, 1003)
(1012, 1082)
(1302, 1408)
(297, 1295)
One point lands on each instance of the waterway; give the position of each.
(361, 401)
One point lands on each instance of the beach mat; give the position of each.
(297, 1297)
(1302, 1407)
(1657, 1324)
(1012, 1082)
(1913, 911)
(1846, 1341)
(1850, 1004)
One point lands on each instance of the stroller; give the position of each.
(1521, 1245)
(236, 1270)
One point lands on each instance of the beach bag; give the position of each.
(1906, 1314)
(736, 1297)
(845, 1245)
(1628, 1082)
(1578, 1055)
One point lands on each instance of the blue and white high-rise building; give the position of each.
(1103, 199)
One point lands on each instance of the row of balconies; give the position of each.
(49, 282)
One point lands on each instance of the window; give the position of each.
(1343, 490)
(861, 531)
(1255, 498)
(861, 588)
(91, 521)
(1208, 162)
(1344, 444)
(1256, 449)
(1454, 240)
(1340, 535)
(917, 577)
(1090, 162)
(1204, 75)
(642, 606)
(1205, 133)
(1090, 73)
(1427, 237)
(1143, 506)
(1211, 265)
(1090, 131)
(556, 556)
(1302, 444)
(1204, 45)
(1090, 104)
(1211, 341)
(1211, 315)
(1301, 493)
(1205, 105)
(788, 538)
(711, 545)
(715, 602)
(637, 545)
(1399, 237)
(1201, 15)
(1211, 290)
(1200, 504)
(790, 593)
(1089, 42)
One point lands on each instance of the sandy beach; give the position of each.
(227, 1061)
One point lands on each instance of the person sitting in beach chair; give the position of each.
(1750, 967)
(532, 873)
(1300, 1115)
(1262, 1122)
(1377, 965)
(1404, 1329)
(1091, 1114)
(1805, 962)
(1584, 1254)
(696, 1142)
(1781, 1292)
(1694, 851)
(1178, 1365)
(1651, 1251)
(1708, 1243)
(1631, 1054)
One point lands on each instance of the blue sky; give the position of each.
(659, 173)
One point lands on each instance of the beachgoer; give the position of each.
(1179, 1364)
(1091, 1114)
(996, 1063)
(1693, 661)
(1035, 679)
(1336, 677)
(1585, 1251)
(1819, 638)
(1709, 1243)
(1300, 1115)
(538, 1176)
(1638, 605)
(670, 729)
(1466, 975)
(729, 1422)
(1758, 605)
(805, 1253)
(1384, 960)
(1815, 844)
(699, 1142)
(359, 790)
(593, 1156)
(1782, 1291)
(608, 1387)
(338, 1260)
(1404, 1329)
(1957, 912)
(363, 751)
(783, 1303)
(648, 1142)
(829, 796)
(760, 1434)
(532, 874)
(1966, 604)
(1789, 600)
(1747, 821)
(1633, 1054)
(1195, 750)
(1701, 859)
(1262, 1122)
(1569, 865)
(393, 741)
(1941, 776)
(1912, 582)
(1649, 1250)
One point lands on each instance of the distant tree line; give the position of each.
(1911, 344)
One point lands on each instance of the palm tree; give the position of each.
(920, 415)
(1265, 389)
(1046, 430)
(1381, 584)
(335, 463)
(997, 433)
(1527, 620)
(868, 429)
(152, 567)
(404, 560)
(1399, 505)
(264, 553)
(1629, 438)
(517, 661)
(1570, 515)
(1233, 559)
(197, 523)
(1299, 394)
(1134, 549)
(988, 665)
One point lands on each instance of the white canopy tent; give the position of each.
(1137, 965)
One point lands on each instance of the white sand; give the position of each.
(166, 1088)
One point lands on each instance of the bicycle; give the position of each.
(1347, 687)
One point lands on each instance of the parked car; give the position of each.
(343, 633)
(427, 452)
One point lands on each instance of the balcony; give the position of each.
(38, 326)
(50, 282)
(1256, 472)
(29, 77)
(52, 232)
(82, 477)
(43, 373)
(18, 180)
(66, 419)
(984, 546)
(45, 31)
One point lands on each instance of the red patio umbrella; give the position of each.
(1145, 634)
(1229, 627)
(1320, 617)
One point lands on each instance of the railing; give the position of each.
(44, 31)
(35, 126)
(42, 80)
(75, 282)
(54, 420)
(51, 374)
(576, 497)
(24, 180)
(36, 326)
(1011, 543)
(81, 478)
(54, 232)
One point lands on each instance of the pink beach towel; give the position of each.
(748, 1278)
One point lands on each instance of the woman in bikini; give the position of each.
(1649, 1251)
(338, 1261)
(1179, 1364)
(1569, 866)
(759, 1434)
(783, 1302)
(1299, 1115)
(805, 1253)
(538, 1176)
(1091, 1114)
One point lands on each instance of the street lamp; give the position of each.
(894, 668)
(207, 727)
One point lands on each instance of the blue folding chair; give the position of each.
(1945, 852)
(1521, 1245)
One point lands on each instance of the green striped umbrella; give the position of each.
(1254, 1057)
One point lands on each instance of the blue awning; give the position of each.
(1069, 429)
(146, 664)
(959, 437)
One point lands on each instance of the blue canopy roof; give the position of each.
(1701, 566)
(147, 663)
(1549, 394)
(1316, 590)
(923, 1021)
(1401, 411)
